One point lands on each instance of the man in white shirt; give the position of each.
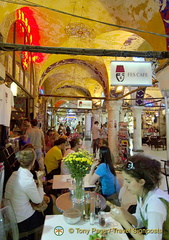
(96, 136)
(75, 144)
(37, 139)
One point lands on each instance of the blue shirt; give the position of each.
(107, 180)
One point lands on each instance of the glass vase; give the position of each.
(79, 191)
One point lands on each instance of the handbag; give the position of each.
(114, 198)
(40, 207)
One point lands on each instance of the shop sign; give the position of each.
(84, 104)
(130, 73)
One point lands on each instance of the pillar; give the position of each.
(55, 120)
(137, 135)
(167, 124)
(88, 122)
(113, 109)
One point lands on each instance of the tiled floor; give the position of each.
(160, 154)
(128, 199)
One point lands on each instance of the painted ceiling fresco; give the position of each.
(103, 24)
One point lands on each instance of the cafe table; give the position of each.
(64, 201)
(55, 227)
(65, 181)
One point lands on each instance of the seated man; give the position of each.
(75, 144)
(53, 158)
(145, 140)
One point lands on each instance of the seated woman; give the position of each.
(105, 173)
(21, 189)
(142, 176)
(53, 158)
(104, 142)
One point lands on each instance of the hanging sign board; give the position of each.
(84, 104)
(130, 73)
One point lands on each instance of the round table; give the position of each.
(64, 201)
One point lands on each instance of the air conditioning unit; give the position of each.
(2, 72)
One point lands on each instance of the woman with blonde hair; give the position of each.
(21, 189)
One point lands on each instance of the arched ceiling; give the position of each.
(66, 75)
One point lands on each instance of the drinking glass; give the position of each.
(97, 205)
(87, 205)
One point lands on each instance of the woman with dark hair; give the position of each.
(142, 177)
(53, 158)
(105, 173)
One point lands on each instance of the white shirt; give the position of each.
(64, 169)
(153, 210)
(36, 137)
(95, 131)
(6, 101)
(20, 189)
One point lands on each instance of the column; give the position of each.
(55, 120)
(88, 122)
(167, 124)
(137, 135)
(113, 108)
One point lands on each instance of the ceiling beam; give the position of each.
(99, 98)
(76, 97)
(84, 51)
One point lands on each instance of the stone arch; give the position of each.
(83, 90)
(80, 62)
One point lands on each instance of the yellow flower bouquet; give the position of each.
(79, 164)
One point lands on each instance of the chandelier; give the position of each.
(78, 29)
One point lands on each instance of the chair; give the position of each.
(165, 172)
(157, 143)
(153, 142)
(163, 139)
(8, 224)
(37, 232)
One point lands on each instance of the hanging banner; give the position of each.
(84, 104)
(130, 73)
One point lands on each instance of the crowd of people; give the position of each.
(41, 155)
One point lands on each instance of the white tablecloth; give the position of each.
(55, 225)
